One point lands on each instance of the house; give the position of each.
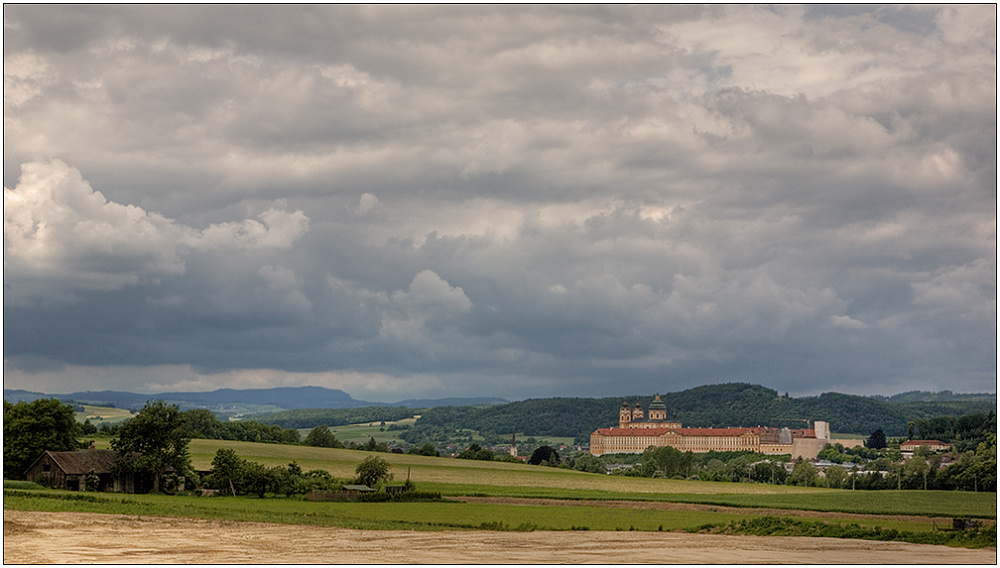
(932, 445)
(68, 470)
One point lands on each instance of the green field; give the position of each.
(469, 477)
(456, 478)
(361, 433)
(420, 516)
(102, 414)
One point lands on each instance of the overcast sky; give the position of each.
(519, 202)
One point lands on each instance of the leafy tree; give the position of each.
(544, 455)
(227, 470)
(475, 452)
(372, 471)
(915, 467)
(260, 480)
(876, 441)
(835, 476)
(768, 472)
(427, 449)
(88, 428)
(589, 463)
(153, 441)
(322, 437)
(31, 428)
(372, 446)
(804, 473)
(666, 462)
(738, 469)
(202, 423)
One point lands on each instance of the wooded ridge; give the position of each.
(723, 405)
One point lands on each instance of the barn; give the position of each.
(68, 470)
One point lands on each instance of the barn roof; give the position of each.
(80, 462)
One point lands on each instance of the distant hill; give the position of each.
(943, 396)
(432, 402)
(724, 405)
(237, 401)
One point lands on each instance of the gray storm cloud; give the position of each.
(421, 201)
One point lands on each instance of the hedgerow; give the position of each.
(978, 537)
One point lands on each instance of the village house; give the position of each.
(932, 445)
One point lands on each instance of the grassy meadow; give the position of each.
(453, 477)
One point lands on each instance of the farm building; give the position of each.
(69, 470)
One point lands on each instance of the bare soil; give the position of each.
(31, 537)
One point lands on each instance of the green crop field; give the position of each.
(420, 516)
(361, 433)
(102, 414)
(454, 477)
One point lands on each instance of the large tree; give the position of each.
(372, 471)
(31, 428)
(321, 436)
(876, 441)
(153, 441)
(804, 473)
(544, 455)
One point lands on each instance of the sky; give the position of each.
(429, 201)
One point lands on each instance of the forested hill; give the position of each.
(725, 405)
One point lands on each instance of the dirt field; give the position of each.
(86, 538)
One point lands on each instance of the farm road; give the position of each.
(87, 538)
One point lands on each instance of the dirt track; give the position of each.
(86, 538)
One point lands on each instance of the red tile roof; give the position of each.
(682, 431)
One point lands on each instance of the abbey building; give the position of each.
(637, 430)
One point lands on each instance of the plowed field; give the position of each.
(87, 538)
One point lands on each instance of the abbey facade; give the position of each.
(637, 430)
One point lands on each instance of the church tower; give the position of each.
(624, 415)
(637, 414)
(657, 410)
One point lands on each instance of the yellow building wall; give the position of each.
(807, 448)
